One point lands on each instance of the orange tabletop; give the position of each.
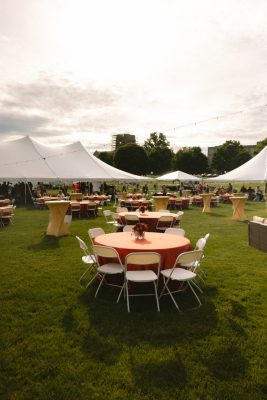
(161, 202)
(206, 201)
(149, 217)
(56, 225)
(238, 208)
(169, 246)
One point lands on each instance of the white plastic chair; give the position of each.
(109, 268)
(184, 276)
(175, 231)
(142, 276)
(87, 258)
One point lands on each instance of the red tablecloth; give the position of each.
(168, 246)
(150, 217)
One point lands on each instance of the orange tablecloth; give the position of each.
(168, 246)
(150, 217)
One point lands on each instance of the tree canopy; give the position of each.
(229, 156)
(260, 145)
(191, 160)
(132, 158)
(155, 141)
(106, 156)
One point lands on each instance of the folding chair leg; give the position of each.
(122, 288)
(156, 294)
(89, 283)
(88, 269)
(127, 296)
(199, 302)
(100, 284)
(194, 283)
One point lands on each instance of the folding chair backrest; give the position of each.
(127, 228)
(206, 237)
(189, 257)
(175, 231)
(82, 244)
(94, 232)
(131, 218)
(201, 243)
(105, 251)
(143, 258)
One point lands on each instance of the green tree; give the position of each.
(229, 156)
(107, 157)
(191, 160)
(156, 140)
(260, 145)
(132, 158)
(159, 153)
(160, 160)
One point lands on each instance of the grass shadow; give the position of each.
(153, 374)
(47, 243)
(227, 364)
(149, 326)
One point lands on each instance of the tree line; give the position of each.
(156, 157)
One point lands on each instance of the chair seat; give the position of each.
(90, 259)
(178, 274)
(111, 268)
(141, 276)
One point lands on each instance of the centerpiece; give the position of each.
(139, 230)
(142, 209)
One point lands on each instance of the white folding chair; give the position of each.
(178, 218)
(142, 276)
(183, 276)
(175, 231)
(109, 268)
(108, 217)
(94, 232)
(121, 209)
(131, 219)
(127, 228)
(87, 258)
(117, 221)
(164, 222)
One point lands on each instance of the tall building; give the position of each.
(121, 139)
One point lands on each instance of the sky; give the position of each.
(86, 69)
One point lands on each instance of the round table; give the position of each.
(56, 225)
(238, 208)
(168, 246)
(206, 201)
(149, 217)
(161, 202)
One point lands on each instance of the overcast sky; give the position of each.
(86, 69)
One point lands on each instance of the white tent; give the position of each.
(253, 170)
(26, 159)
(178, 176)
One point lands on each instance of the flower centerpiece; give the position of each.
(142, 209)
(139, 230)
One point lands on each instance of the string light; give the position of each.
(227, 115)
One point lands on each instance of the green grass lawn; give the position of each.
(58, 342)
